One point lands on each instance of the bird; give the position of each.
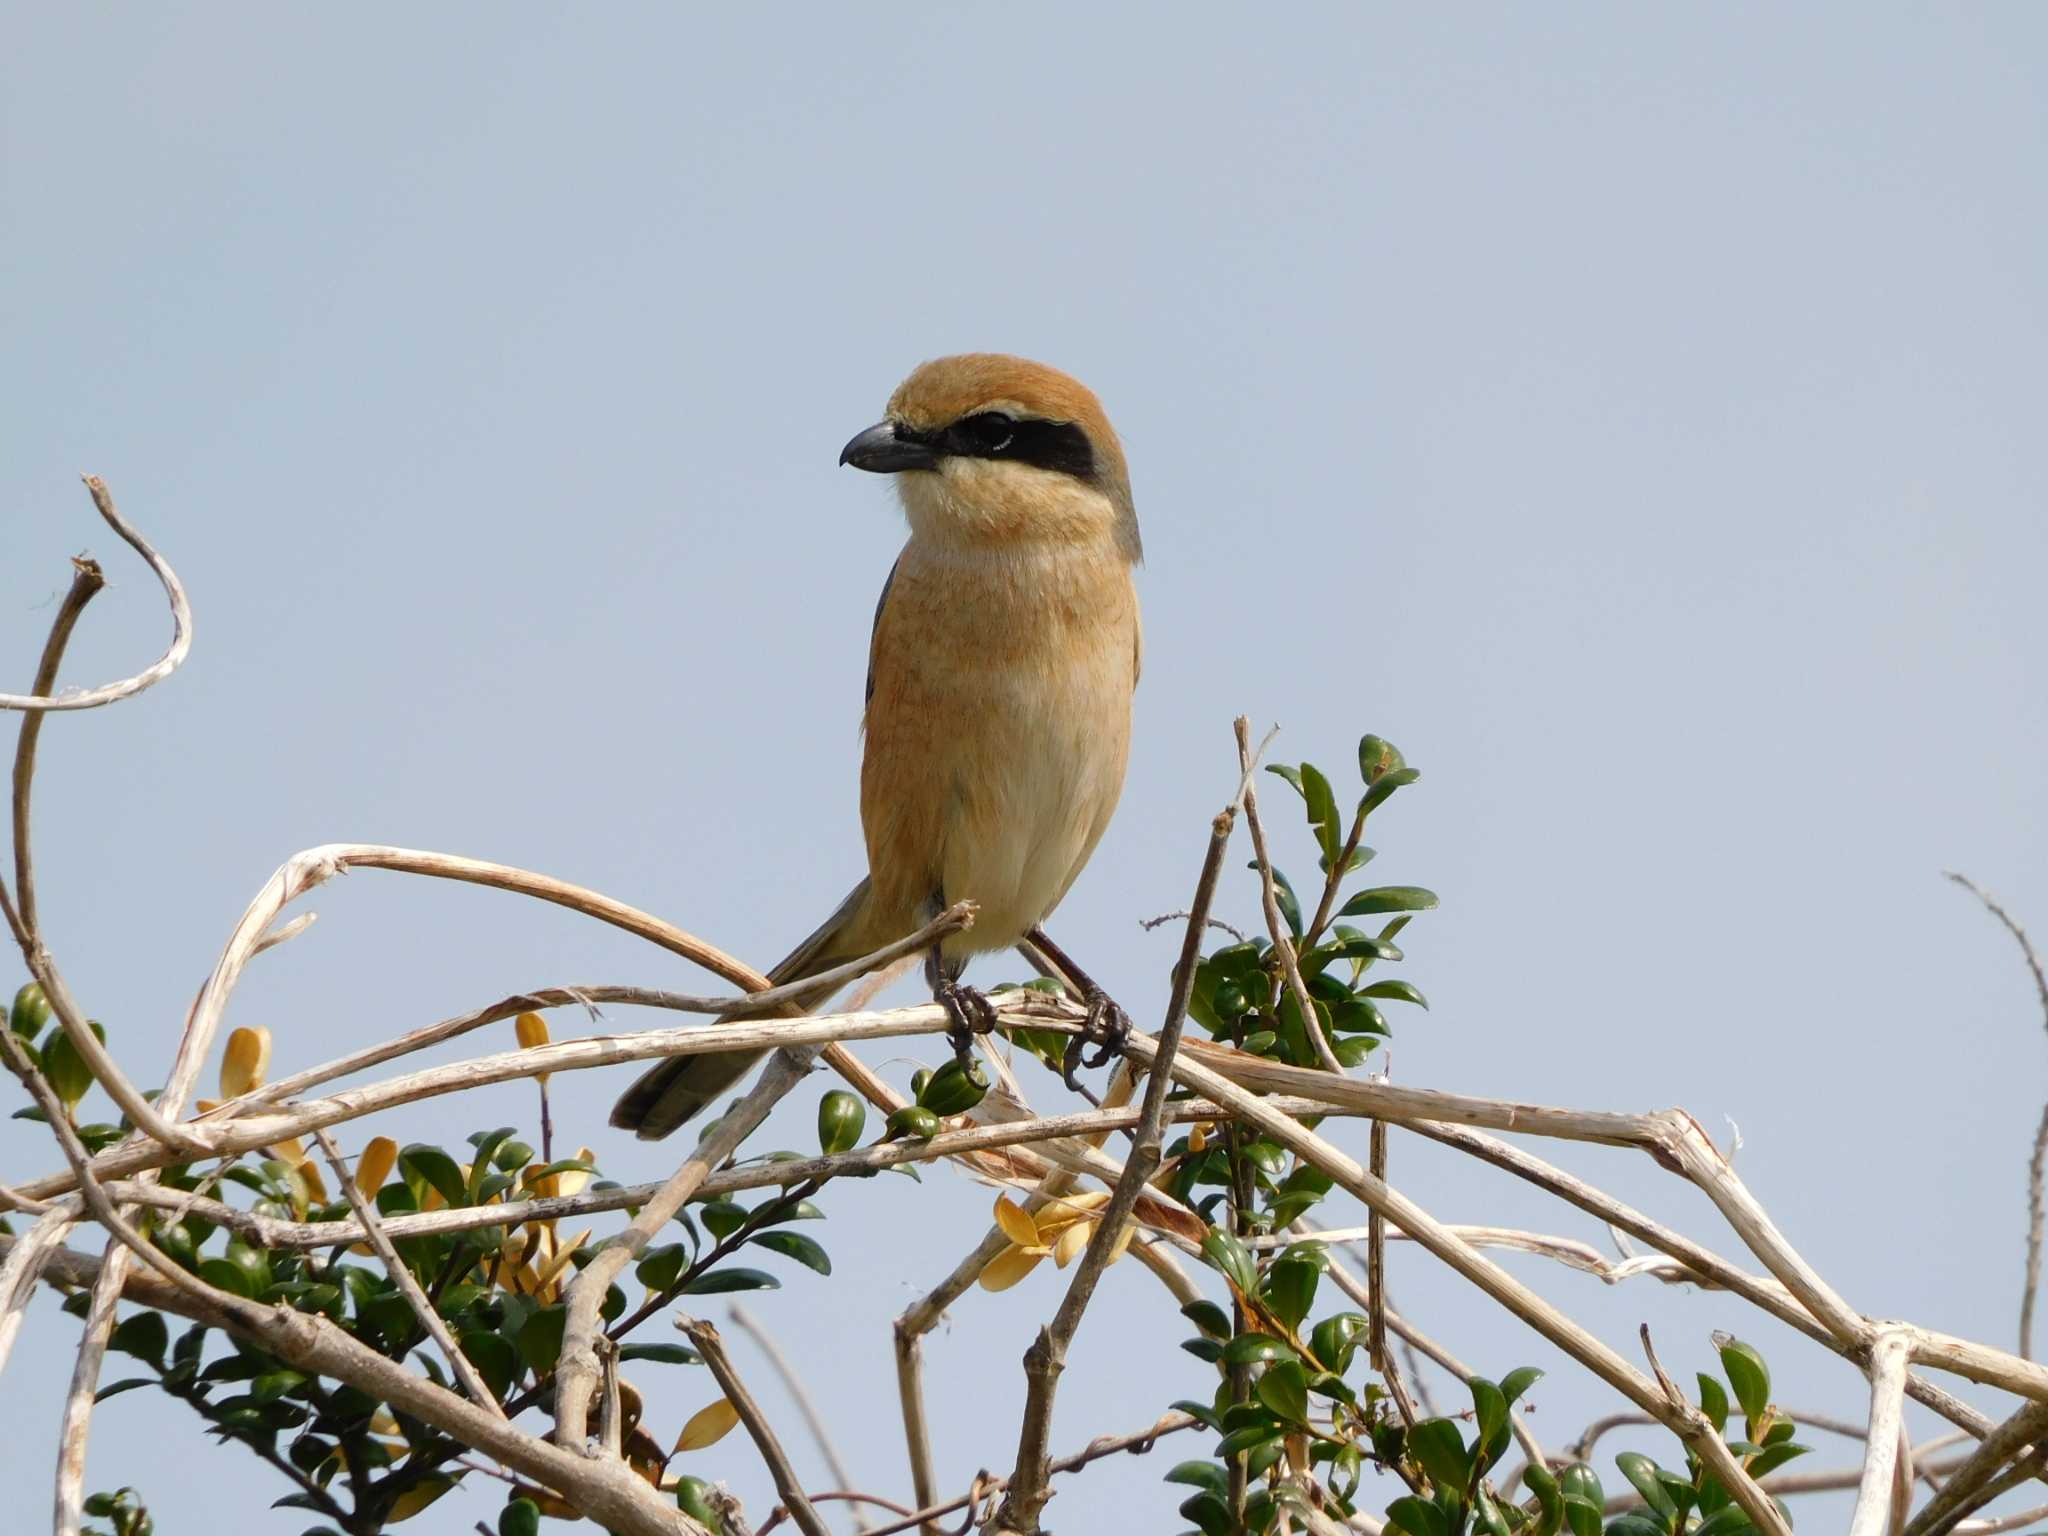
(1002, 661)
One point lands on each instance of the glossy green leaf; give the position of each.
(435, 1169)
(145, 1335)
(1417, 1517)
(662, 1354)
(1396, 991)
(1388, 898)
(1322, 812)
(1775, 1457)
(1641, 1472)
(1290, 1289)
(494, 1358)
(1200, 1474)
(1518, 1381)
(1714, 1402)
(660, 1268)
(1224, 1250)
(1378, 757)
(1748, 1376)
(540, 1339)
(794, 1245)
(1208, 1317)
(520, 1517)
(720, 1281)
(1256, 1348)
(1283, 1387)
(841, 1119)
(1385, 786)
(1489, 1417)
(1439, 1446)
(31, 1011)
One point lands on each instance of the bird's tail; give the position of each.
(670, 1093)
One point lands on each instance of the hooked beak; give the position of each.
(885, 448)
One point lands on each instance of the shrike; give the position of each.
(1000, 670)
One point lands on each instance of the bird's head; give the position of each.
(989, 449)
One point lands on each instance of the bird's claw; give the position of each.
(1105, 1026)
(968, 1012)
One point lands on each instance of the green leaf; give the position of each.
(1417, 1517)
(722, 1218)
(1582, 1517)
(145, 1336)
(1378, 757)
(1335, 1337)
(1201, 1474)
(486, 1144)
(1489, 1416)
(31, 1011)
(1209, 1513)
(1396, 991)
(1240, 1440)
(520, 1517)
(1636, 1523)
(65, 1068)
(1223, 1250)
(1642, 1473)
(1579, 1481)
(1747, 1374)
(494, 1358)
(1208, 1317)
(1290, 1289)
(660, 1268)
(1388, 898)
(1256, 1348)
(227, 1276)
(540, 1339)
(1714, 1402)
(1283, 1387)
(1516, 1382)
(720, 1281)
(1437, 1444)
(1775, 1457)
(1283, 895)
(1322, 811)
(841, 1119)
(794, 1245)
(435, 1169)
(127, 1385)
(662, 1354)
(1726, 1521)
(915, 1122)
(1385, 786)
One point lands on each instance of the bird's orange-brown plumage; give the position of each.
(1002, 663)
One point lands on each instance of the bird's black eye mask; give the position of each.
(1060, 446)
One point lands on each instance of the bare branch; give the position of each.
(703, 1336)
(1046, 1358)
(408, 1287)
(164, 666)
(794, 1385)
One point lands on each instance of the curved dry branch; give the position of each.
(157, 671)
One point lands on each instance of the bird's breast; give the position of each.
(998, 728)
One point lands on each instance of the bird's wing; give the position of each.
(880, 603)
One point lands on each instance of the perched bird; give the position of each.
(1000, 670)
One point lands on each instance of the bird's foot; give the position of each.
(968, 1012)
(1106, 1026)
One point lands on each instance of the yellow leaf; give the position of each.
(1123, 1241)
(1071, 1242)
(379, 1157)
(1068, 1209)
(1016, 1222)
(532, 1030)
(418, 1497)
(564, 1252)
(1010, 1266)
(707, 1426)
(1198, 1137)
(245, 1062)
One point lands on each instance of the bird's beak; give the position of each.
(884, 449)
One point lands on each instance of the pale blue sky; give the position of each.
(1636, 415)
